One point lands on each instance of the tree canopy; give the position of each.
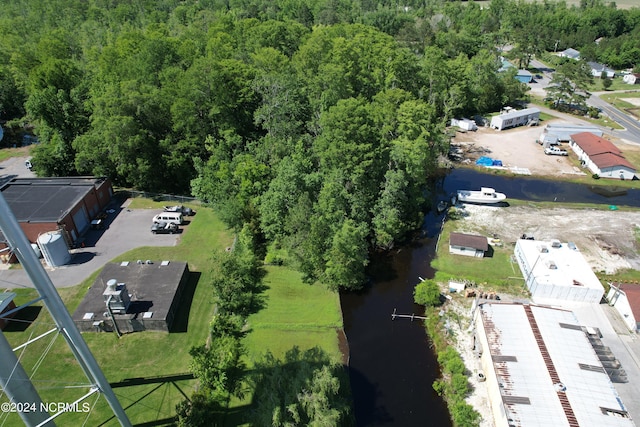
(317, 123)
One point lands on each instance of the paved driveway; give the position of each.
(126, 229)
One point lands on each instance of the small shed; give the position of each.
(464, 124)
(625, 297)
(513, 118)
(468, 244)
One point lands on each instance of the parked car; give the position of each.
(555, 151)
(164, 228)
(180, 208)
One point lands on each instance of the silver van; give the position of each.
(169, 217)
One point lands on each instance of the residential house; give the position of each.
(601, 156)
(597, 69)
(570, 53)
(468, 244)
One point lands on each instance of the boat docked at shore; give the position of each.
(486, 196)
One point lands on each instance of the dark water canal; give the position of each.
(391, 364)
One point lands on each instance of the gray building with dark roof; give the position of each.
(468, 244)
(134, 296)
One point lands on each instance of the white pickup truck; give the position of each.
(555, 151)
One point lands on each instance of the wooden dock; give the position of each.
(406, 316)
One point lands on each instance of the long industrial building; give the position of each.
(542, 370)
(555, 272)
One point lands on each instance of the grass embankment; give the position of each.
(296, 314)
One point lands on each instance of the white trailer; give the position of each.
(513, 118)
(464, 124)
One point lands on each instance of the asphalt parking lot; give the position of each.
(125, 229)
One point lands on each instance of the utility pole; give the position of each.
(51, 299)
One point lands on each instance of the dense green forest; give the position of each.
(315, 124)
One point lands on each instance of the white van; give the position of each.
(173, 217)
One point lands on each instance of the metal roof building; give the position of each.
(556, 272)
(47, 204)
(541, 369)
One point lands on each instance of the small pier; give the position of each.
(406, 316)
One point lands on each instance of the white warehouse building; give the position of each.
(542, 370)
(555, 271)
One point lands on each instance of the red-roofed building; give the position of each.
(625, 297)
(601, 156)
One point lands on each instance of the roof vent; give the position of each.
(555, 243)
(543, 249)
(551, 265)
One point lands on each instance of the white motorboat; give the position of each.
(486, 195)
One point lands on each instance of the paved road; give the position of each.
(624, 345)
(631, 125)
(127, 229)
(631, 131)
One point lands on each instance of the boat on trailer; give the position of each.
(486, 195)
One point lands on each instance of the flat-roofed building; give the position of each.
(556, 272)
(135, 296)
(542, 370)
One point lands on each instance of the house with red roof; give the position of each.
(625, 297)
(601, 156)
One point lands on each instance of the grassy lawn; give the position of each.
(145, 367)
(617, 99)
(296, 314)
(497, 272)
(7, 153)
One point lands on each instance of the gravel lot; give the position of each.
(518, 148)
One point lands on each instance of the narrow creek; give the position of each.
(392, 366)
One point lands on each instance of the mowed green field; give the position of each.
(147, 369)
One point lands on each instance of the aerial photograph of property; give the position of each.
(320, 213)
